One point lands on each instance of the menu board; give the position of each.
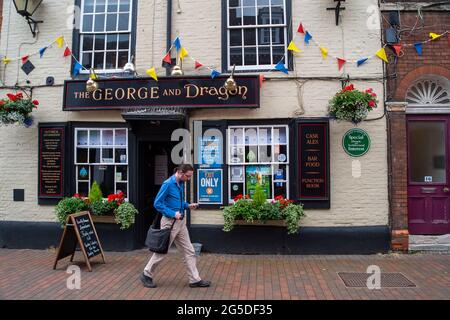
(87, 235)
(313, 161)
(51, 161)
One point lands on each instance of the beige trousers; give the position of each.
(180, 236)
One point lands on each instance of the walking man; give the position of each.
(169, 202)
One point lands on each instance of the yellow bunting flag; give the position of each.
(60, 41)
(152, 73)
(183, 53)
(324, 52)
(293, 47)
(434, 36)
(6, 60)
(382, 55)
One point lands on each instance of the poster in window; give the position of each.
(210, 151)
(161, 169)
(209, 186)
(255, 175)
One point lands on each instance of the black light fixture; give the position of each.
(337, 10)
(26, 8)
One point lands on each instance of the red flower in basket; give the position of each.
(76, 195)
(238, 197)
(11, 96)
(35, 102)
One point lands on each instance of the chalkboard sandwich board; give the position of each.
(80, 230)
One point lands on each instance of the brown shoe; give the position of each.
(200, 284)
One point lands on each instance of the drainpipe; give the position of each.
(169, 30)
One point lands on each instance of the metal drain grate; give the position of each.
(388, 280)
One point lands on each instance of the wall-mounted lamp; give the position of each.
(26, 8)
(230, 83)
(91, 84)
(337, 10)
(130, 67)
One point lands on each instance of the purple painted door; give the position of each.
(428, 174)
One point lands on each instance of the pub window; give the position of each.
(105, 34)
(258, 155)
(256, 33)
(101, 155)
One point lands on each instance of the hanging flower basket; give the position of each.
(16, 109)
(352, 105)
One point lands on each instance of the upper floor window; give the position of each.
(257, 33)
(105, 34)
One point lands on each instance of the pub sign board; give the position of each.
(188, 92)
(313, 168)
(52, 139)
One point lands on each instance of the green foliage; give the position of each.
(68, 206)
(96, 193)
(125, 214)
(101, 207)
(259, 197)
(250, 210)
(352, 105)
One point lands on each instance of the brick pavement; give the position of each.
(28, 274)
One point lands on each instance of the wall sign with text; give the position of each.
(356, 142)
(209, 186)
(188, 92)
(313, 184)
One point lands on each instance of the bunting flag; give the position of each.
(152, 73)
(293, 47)
(93, 76)
(198, 64)
(41, 51)
(281, 67)
(341, 63)
(300, 29)
(25, 58)
(448, 37)
(183, 53)
(177, 43)
(361, 61)
(60, 41)
(6, 60)
(307, 37)
(261, 80)
(382, 55)
(167, 58)
(398, 49)
(434, 36)
(214, 73)
(324, 52)
(76, 68)
(418, 47)
(67, 52)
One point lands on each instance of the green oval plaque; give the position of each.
(356, 142)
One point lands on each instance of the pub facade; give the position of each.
(128, 132)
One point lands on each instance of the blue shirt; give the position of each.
(169, 198)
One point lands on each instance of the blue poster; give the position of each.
(210, 151)
(209, 186)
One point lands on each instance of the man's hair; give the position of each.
(185, 167)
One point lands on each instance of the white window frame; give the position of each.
(101, 147)
(106, 33)
(242, 27)
(271, 163)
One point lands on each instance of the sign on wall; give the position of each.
(313, 163)
(356, 142)
(209, 186)
(187, 92)
(51, 161)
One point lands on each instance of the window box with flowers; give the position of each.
(17, 110)
(259, 212)
(352, 105)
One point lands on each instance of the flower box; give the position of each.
(103, 219)
(274, 223)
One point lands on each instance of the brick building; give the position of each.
(418, 95)
(120, 136)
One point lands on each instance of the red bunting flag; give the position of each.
(448, 37)
(198, 64)
(167, 58)
(261, 80)
(341, 63)
(67, 52)
(25, 58)
(300, 29)
(397, 48)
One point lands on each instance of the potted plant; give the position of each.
(68, 206)
(352, 105)
(245, 210)
(16, 110)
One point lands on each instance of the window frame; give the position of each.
(226, 67)
(76, 164)
(77, 43)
